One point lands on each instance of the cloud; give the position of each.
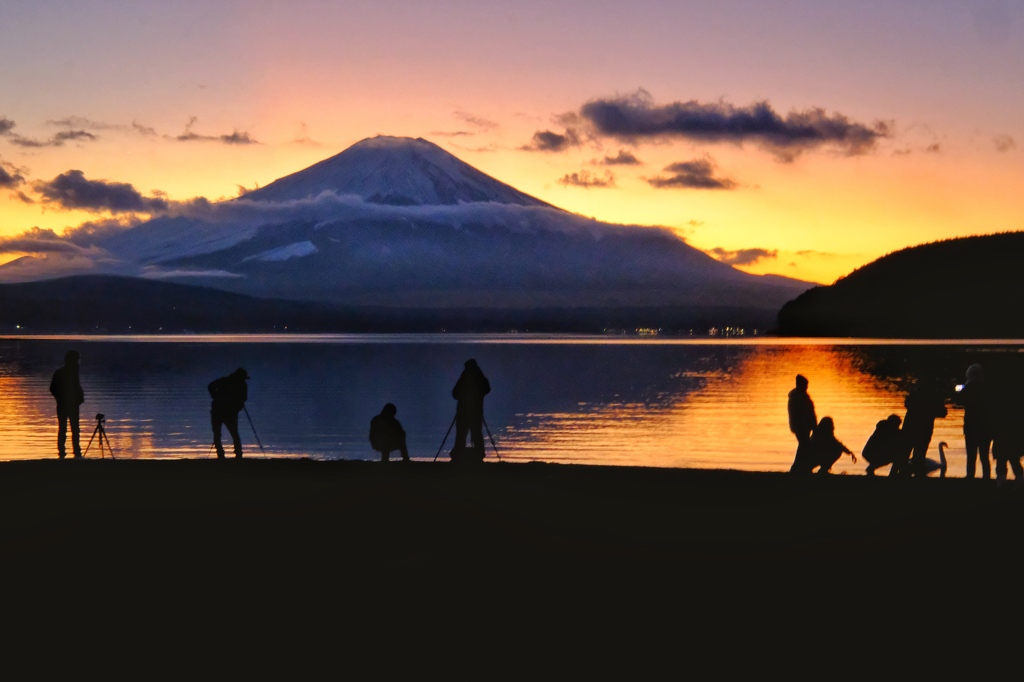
(89, 124)
(10, 175)
(37, 240)
(72, 190)
(1003, 142)
(623, 158)
(743, 256)
(548, 141)
(695, 174)
(6, 125)
(933, 148)
(237, 137)
(637, 117)
(57, 140)
(586, 179)
(475, 121)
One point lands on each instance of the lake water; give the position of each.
(704, 402)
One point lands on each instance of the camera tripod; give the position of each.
(102, 432)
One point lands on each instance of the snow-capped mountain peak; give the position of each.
(399, 171)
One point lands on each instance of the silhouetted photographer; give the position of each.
(66, 388)
(470, 390)
(229, 395)
(387, 434)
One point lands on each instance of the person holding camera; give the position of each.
(229, 395)
(66, 388)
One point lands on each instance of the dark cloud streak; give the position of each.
(72, 190)
(695, 174)
(623, 158)
(637, 117)
(587, 180)
(743, 256)
(548, 141)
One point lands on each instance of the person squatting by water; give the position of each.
(974, 398)
(469, 391)
(885, 446)
(387, 434)
(802, 421)
(67, 389)
(229, 394)
(924, 405)
(824, 449)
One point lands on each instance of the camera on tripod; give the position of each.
(102, 433)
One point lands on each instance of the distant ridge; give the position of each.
(970, 287)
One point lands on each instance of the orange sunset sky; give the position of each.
(798, 138)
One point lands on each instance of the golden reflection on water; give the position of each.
(737, 420)
(712, 415)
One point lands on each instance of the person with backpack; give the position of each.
(229, 394)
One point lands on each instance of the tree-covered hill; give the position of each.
(971, 287)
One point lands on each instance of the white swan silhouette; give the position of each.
(931, 465)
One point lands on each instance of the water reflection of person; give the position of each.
(387, 434)
(885, 445)
(229, 394)
(802, 421)
(924, 405)
(470, 390)
(825, 449)
(974, 397)
(66, 387)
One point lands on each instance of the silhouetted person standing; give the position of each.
(470, 390)
(67, 389)
(924, 405)
(974, 397)
(229, 395)
(1008, 434)
(802, 421)
(387, 434)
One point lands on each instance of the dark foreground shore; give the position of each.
(266, 549)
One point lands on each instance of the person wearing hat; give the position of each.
(470, 390)
(229, 395)
(802, 421)
(66, 388)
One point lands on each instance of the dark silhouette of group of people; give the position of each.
(991, 423)
(387, 434)
(230, 393)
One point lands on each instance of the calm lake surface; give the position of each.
(706, 403)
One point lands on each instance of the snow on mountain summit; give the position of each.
(399, 171)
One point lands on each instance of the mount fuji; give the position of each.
(400, 223)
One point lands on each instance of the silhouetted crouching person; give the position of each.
(469, 390)
(974, 397)
(802, 421)
(387, 434)
(66, 387)
(825, 449)
(924, 405)
(885, 446)
(229, 395)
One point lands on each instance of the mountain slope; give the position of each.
(402, 223)
(972, 287)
